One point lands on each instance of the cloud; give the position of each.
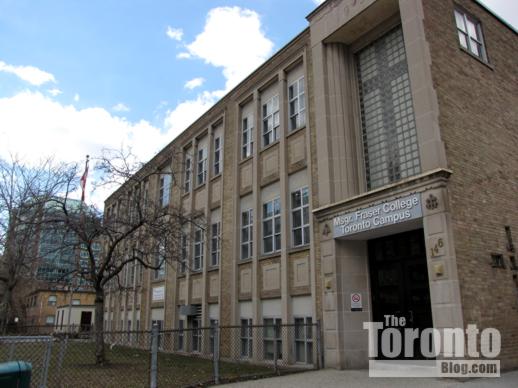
(183, 55)
(68, 133)
(174, 33)
(54, 92)
(232, 39)
(194, 83)
(76, 97)
(120, 107)
(30, 74)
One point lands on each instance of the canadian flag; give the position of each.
(83, 179)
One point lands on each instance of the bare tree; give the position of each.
(24, 191)
(137, 226)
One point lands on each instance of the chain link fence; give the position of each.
(168, 358)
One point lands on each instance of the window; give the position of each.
(180, 335)
(217, 156)
(246, 338)
(297, 104)
(272, 226)
(202, 166)
(52, 300)
(187, 176)
(49, 320)
(76, 302)
(196, 334)
(185, 253)
(470, 34)
(159, 272)
(247, 147)
(389, 133)
(164, 189)
(271, 120)
(198, 249)
(247, 237)
(300, 217)
(304, 340)
(215, 244)
(272, 341)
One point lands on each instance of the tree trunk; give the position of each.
(5, 305)
(98, 327)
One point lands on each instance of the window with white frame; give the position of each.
(297, 104)
(196, 334)
(272, 226)
(164, 189)
(271, 120)
(159, 272)
(49, 320)
(247, 139)
(304, 340)
(217, 155)
(469, 31)
(247, 237)
(215, 244)
(202, 166)
(246, 338)
(187, 174)
(185, 253)
(52, 300)
(272, 340)
(199, 243)
(300, 217)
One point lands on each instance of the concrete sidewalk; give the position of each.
(330, 378)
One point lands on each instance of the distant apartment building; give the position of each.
(367, 169)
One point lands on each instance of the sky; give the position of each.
(79, 76)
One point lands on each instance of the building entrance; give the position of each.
(399, 283)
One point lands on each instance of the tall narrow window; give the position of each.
(247, 148)
(246, 338)
(247, 229)
(198, 249)
(217, 156)
(297, 104)
(389, 132)
(160, 262)
(187, 174)
(272, 340)
(196, 334)
(272, 226)
(215, 243)
(304, 340)
(164, 188)
(271, 120)
(185, 252)
(202, 166)
(470, 34)
(300, 216)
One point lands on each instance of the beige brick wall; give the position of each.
(479, 121)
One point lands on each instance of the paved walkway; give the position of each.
(330, 378)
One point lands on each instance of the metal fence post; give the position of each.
(46, 363)
(62, 350)
(320, 354)
(275, 355)
(154, 357)
(216, 353)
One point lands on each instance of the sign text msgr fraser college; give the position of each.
(384, 214)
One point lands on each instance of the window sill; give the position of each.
(185, 194)
(155, 281)
(245, 261)
(199, 187)
(485, 63)
(299, 248)
(296, 130)
(216, 177)
(271, 145)
(243, 161)
(273, 255)
(213, 268)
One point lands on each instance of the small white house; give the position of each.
(81, 318)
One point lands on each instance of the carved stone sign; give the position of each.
(373, 217)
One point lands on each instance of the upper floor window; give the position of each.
(247, 146)
(247, 229)
(470, 34)
(52, 300)
(202, 166)
(217, 155)
(159, 272)
(164, 189)
(389, 132)
(300, 216)
(271, 120)
(215, 248)
(199, 244)
(187, 174)
(185, 253)
(272, 226)
(297, 104)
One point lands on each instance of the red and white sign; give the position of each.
(356, 301)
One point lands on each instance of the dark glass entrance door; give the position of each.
(399, 282)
